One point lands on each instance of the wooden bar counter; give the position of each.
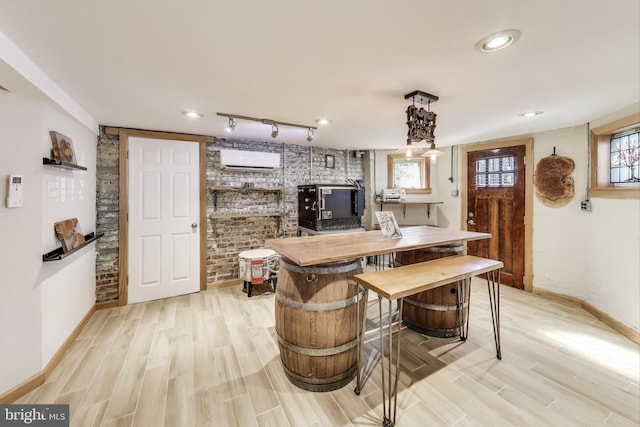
(313, 250)
(319, 308)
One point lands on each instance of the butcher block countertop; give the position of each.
(312, 250)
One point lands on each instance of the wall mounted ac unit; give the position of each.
(249, 160)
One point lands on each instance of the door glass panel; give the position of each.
(494, 164)
(495, 172)
(494, 180)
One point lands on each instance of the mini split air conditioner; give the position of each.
(249, 160)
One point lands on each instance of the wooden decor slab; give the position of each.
(69, 234)
(554, 186)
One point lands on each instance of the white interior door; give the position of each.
(164, 240)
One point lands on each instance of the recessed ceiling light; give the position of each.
(497, 41)
(323, 121)
(530, 113)
(192, 114)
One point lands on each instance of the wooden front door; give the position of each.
(496, 204)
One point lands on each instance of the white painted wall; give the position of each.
(613, 251)
(41, 303)
(593, 256)
(68, 286)
(20, 234)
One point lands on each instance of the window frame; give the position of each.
(600, 143)
(425, 166)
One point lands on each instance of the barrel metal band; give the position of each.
(319, 306)
(320, 269)
(320, 352)
(305, 381)
(435, 307)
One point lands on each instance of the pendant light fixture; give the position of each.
(421, 124)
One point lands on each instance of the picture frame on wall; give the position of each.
(329, 161)
(62, 148)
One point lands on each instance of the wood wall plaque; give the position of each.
(554, 186)
(69, 234)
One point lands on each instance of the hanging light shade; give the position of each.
(410, 149)
(433, 153)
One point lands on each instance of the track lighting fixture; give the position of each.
(274, 125)
(232, 125)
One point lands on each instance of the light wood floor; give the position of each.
(211, 359)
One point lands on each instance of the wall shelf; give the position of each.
(58, 254)
(244, 215)
(404, 206)
(215, 190)
(277, 214)
(62, 165)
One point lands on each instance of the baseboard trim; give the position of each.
(55, 360)
(603, 317)
(21, 389)
(106, 304)
(224, 283)
(38, 379)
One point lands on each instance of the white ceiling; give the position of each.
(141, 63)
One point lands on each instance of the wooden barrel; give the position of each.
(434, 312)
(316, 323)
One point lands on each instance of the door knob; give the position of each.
(194, 226)
(470, 221)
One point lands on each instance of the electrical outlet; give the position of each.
(454, 193)
(585, 205)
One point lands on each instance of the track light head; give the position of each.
(274, 125)
(232, 125)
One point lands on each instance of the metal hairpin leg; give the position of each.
(389, 390)
(463, 296)
(493, 285)
(361, 330)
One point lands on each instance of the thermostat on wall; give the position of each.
(14, 191)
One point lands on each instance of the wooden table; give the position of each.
(316, 288)
(397, 283)
(314, 250)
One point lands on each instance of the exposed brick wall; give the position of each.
(107, 185)
(226, 237)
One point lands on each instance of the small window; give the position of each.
(624, 157)
(614, 159)
(411, 174)
(495, 172)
